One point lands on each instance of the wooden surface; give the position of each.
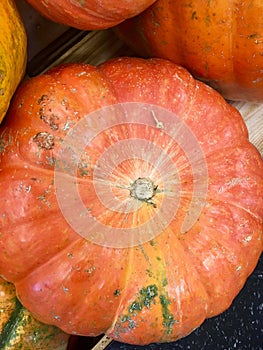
(253, 116)
(95, 48)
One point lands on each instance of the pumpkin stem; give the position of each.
(143, 189)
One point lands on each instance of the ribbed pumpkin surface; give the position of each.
(219, 42)
(95, 200)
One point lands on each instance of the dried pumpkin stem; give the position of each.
(143, 189)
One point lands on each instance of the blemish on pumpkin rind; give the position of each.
(43, 198)
(117, 292)
(44, 140)
(55, 316)
(52, 120)
(65, 289)
(168, 317)
(149, 273)
(194, 15)
(64, 101)
(20, 105)
(146, 297)
(82, 3)
(42, 98)
(252, 36)
(5, 140)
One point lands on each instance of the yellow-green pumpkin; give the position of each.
(20, 331)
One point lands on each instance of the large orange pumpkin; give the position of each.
(131, 200)
(13, 53)
(89, 14)
(219, 42)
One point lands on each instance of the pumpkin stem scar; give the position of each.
(159, 124)
(143, 189)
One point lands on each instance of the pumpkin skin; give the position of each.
(19, 330)
(13, 52)
(87, 14)
(156, 291)
(219, 42)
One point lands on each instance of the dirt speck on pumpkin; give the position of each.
(44, 140)
(52, 120)
(42, 99)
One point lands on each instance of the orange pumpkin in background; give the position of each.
(89, 14)
(219, 42)
(131, 200)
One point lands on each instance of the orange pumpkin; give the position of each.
(89, 14)
(219, 42)
(131, 200)
(13, 53)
